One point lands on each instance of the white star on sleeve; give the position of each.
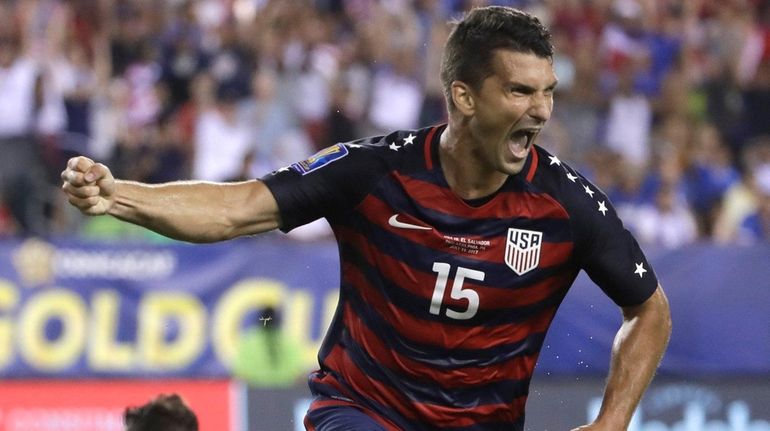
(554, 161)
(571, 177)
(354, 146)
(283, 169)
(602, 208)
(640, 269)
(409, 139)
(588, 190)
(394, 147)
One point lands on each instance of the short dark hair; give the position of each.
(164, 413)
(469, 51)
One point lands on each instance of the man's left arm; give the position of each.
(636, 353)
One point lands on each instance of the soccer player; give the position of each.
(457, 244)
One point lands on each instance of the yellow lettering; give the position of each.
(298, 326)
(9, 298)
(53, 355)
(105, 352)
(155, 312)
(251, 294)
(329, 308)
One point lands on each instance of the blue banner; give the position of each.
(74, 309)
(77, 309)
(720, 307)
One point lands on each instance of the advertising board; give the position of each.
(98, 405)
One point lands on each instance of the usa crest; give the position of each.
(522, 250)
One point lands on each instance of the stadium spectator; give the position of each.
(741, 199)
(687, 62)
(474, 201)
(183, 56)
(709, 175)
(629, 118)
(395, 78)
(313, 64)
(434, 33)
(231, 64)
(222, 141)
(755, 227)
(163, 413)
(579, 103)
(78, 81)
(22, 92)
(630, 192)
(142, 77)
(668, 222)
(277, 137)
(395, 84)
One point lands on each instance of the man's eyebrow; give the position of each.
(524, 88)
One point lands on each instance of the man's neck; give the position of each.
(467, 175)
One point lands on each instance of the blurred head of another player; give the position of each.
(164, 413)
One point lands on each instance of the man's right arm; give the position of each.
(193, 211)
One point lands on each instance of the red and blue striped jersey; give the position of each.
(444, 303)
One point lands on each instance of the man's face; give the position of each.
(511, 108)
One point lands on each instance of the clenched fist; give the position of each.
(89, 186)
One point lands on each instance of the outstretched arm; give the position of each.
(193, 211)
(636, 353)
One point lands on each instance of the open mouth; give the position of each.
(520, 142)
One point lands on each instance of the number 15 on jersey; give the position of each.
(443, 270)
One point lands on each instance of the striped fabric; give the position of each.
(435, 328)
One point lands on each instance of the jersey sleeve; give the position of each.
(604, 248)
(328, 184)
(609, 253)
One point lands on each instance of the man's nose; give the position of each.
(542, 105)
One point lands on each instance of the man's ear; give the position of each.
(463, 98)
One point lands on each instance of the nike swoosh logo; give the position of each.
(393, 221)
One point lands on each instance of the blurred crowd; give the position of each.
(665, 104)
